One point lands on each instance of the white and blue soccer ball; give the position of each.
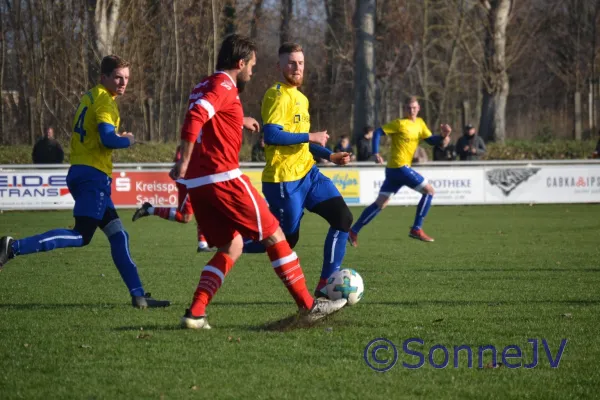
(345, 284)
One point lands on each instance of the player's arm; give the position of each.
(110, 139)
(198, 113)
(435, 140)
(106, 122)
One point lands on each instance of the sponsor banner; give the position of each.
(452, 186)
(347, 181)
(133, 188)
(34, 190)
(542, 184)
(47, 189)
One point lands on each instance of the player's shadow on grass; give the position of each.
(569, 270)
(58, 306)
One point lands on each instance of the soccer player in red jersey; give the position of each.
(225, 204)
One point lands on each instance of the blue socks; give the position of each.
(422, 210)
(119, 249)
(333, 252)
(367, 216)
(54, 239)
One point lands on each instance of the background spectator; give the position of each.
(364, 148)
(596, 153)
(47, 150)
(258, 150)
(444, 151)
(420, 156)
(470, 147)
(343, 145)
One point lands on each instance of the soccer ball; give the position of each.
(345, 284)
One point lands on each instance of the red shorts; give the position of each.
(184, 204)
(224, 210)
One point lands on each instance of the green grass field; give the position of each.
(495, 276)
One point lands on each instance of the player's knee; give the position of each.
(293, 238)
(382, 201)
(428, 189)
(114, 227)
(234, 248)
(343, 220)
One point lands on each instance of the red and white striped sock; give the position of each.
(211, 279)
(286, 265)
(167, 213)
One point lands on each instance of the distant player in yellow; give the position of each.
(291, 181)
(93, 139)
(405, 134)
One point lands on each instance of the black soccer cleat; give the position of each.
(146, 301)
(6, 251)
(141, 212)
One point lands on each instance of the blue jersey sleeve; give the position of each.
(376, 136)
(109, 137)
(320, 151)
(275, 135)
(434, 140)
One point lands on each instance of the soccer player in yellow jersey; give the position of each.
(405, 134)
(291, 181)
(93, 139)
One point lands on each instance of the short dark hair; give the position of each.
(110, 63)
(233, 49)
(368, 129)
(290, 47)
(343, 137)
(410, 100)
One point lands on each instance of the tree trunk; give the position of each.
(578, 114)
(256, 19)
(364, 71)
(492, 124)
(286, 17)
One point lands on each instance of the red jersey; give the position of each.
(214, 120)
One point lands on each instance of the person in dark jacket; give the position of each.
(47, 150)
(364, 148)
(444, 151)
(470, 147)
(258, 150)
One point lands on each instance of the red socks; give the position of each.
(168, 213)
(286, 264)
(211, 279)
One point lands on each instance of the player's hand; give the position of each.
(378, 158)
(445, 129)
(319, 138)
(178, 171)
(251, 124)
(341, 158)
(129, 136)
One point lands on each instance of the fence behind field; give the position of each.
(43, 187)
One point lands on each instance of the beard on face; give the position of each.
(292, 80)
(241, 80)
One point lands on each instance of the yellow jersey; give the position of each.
(286, 106)
(95, 107)
(405, 135)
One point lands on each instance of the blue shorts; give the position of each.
(287, 200)
(90, 189)
(395, 178)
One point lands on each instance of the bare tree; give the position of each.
(286, 17)
(364, 76)
(492, 124)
